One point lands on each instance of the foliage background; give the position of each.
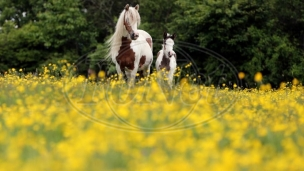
(254, 35)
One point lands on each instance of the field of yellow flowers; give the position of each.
(71, 123)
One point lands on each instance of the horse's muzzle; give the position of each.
(134, 36)
(170, 54)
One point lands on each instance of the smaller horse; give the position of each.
(166, 57)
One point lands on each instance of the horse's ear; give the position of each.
(165, 35)
(173, 36)
(137, 7)
(127, 7)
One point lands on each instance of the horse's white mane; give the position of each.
(115, 41)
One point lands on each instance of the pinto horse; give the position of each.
(166, 58)
(130, 48)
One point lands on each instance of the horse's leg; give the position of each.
(132, 75)
(170, 78)
(119, 72)
(160, 76)
(128, 74)
(146, 71)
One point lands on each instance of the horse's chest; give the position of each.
(165, 63)
(126, 55)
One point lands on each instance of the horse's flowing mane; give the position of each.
(115, 41)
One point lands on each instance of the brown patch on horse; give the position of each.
(142, 61)
(165, 63)
(149, 40)
(126, 56)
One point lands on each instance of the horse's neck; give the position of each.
(125, 41)
(124, 33)
(165, 60)
(118, 39)
(164, 52)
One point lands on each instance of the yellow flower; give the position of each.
(231, 128)
(183, 81)
(80, 78)
(266, 86)
(21, 88)
(282, 85)
(241, 75)
(101, 74)
(295, 81)
(258, 77)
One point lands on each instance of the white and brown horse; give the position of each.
(166, 58)
(130, 48)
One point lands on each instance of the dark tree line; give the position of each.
(254, 35)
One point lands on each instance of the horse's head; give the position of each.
(168, 44)
(132, 20)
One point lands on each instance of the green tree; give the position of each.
(20, 48)
(63, 27)
(245, 32)
(21, 12)
(42, 33)
(290, 19)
